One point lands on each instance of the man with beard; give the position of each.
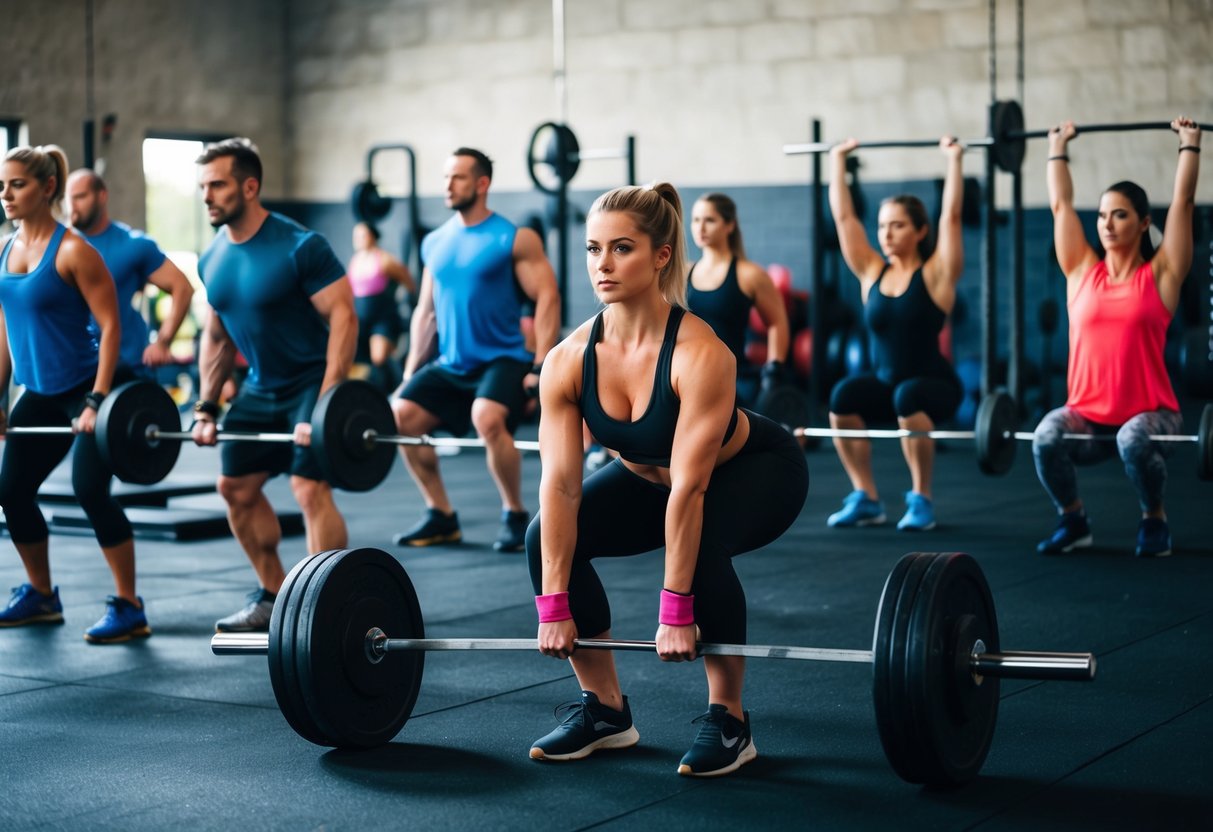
(478, 268)
(134, 260)
(278, 294)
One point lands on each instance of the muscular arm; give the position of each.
(1174, 256)
(423, 329)
(335, 303)
(80, 260)
(704, 376)
(169, 278)
(757, 284)
(943, 268)
(863, 260)
(216, 357)
(538, 281)
(1074, 253)
(560, 481)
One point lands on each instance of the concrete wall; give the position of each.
(183, 66)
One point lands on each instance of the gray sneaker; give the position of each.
(254, 618)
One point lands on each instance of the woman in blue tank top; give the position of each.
(908, 291)
(696, 476)
(51, 281)
(724, 287)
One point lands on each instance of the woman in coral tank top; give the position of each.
(1119, 305)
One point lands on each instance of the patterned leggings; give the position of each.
(1145, 461)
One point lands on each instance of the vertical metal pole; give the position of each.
(560, 79)
(989, 272)
(90, 93)
(559, 73)
(414, 250)
(630, 152)
(1015, 358)
(816, 265)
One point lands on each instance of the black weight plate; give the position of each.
(561, 139)
(123, 421)
(951, 716)
(368, 204)
(353, 701)
(340, 421)
(1008, 152)
(1204, 444)
(997, 415)
(889, 695)
(283, 624)
(786, 404)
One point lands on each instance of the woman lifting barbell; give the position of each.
(1120, 304)
(907, 296)
(51, 281)
(696, 475)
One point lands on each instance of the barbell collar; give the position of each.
(1006, 665)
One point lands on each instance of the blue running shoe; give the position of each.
(1072, 532)
(724, 744)
(122, 621)
(858, 509)
(1153, 538)
(919, 516)
(587, 726)
(29, 606)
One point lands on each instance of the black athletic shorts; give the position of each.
(264, 412)
(449, 395)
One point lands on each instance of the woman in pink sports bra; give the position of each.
(1120, 303)
(373, 275)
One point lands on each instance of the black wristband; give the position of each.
(537, 368)
(1192, 147)
(206, 408)
(94, 399)
(1061, 157)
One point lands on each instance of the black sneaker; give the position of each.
(1153, 538)
(588, 726)
(724, 744)
(1072, 532)
(511, 537)
(433, 529)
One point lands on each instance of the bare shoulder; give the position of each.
(527, 242)
(697, 339)
(75, 249)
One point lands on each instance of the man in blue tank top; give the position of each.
(134, 260)
(279, 295)
(479, 267)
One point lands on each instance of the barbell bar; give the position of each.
(1036, 665)
(341, 681)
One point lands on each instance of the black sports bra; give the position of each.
(648, 440)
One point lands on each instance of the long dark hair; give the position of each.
(917, 212)
(727, 208)
(1136, 195)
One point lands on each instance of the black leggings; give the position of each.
(30, 458)
(877, 401)
(751, 500)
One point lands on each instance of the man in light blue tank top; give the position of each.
(279, 295)
(479, 267)
(134, 260)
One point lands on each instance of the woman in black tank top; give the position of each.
(724, 287)
(696, 476)
(908, 291)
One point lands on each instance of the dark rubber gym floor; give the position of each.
(162, 734)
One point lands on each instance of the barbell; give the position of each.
(1008, 142)
(346, 647)
(563, 155)
(353, 430)
(995, 436)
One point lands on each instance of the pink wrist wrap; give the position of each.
(554, 607)
(676, 610)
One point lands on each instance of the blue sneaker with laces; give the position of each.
(122, 621)
(919, 516)
(29, 606)
(1153, 538)
(1072, 532)
(858, 509)
(587, 726)
(724, 744)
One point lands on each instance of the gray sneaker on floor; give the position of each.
(254, 618)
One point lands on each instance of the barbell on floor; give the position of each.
(995, 436)
(346, 648)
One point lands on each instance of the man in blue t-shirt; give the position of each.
(478, 269)
(278, 294)
(134, 260)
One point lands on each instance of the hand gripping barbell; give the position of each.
(995, 436)
(346, 647)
